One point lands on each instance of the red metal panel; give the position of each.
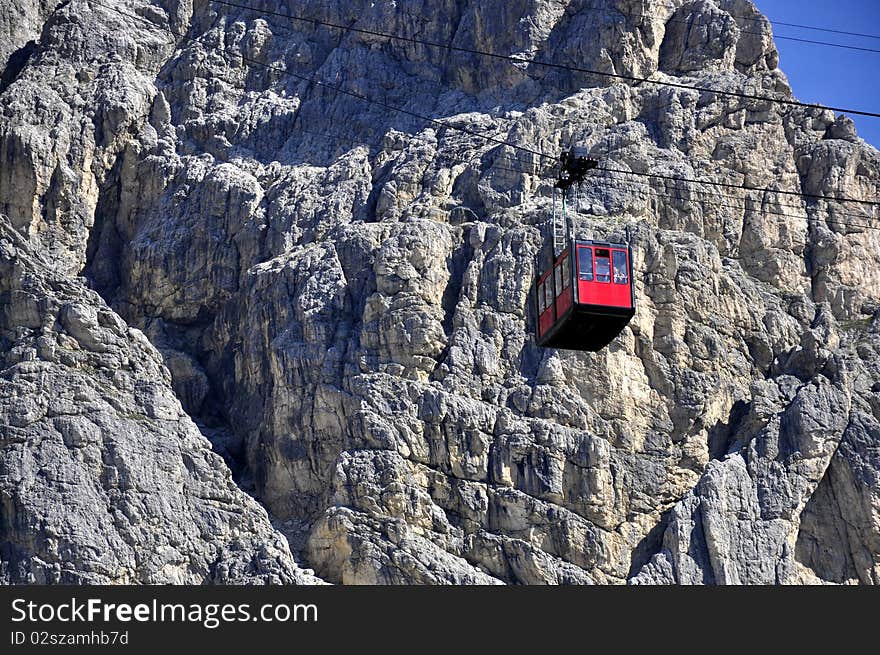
(544, 289)
(563, 302)
(609, 294)
(557, 283)
(547, 320)
(559, 299)
(563, 290)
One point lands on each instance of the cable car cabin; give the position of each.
(587, 298)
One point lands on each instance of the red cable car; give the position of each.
(587, 296)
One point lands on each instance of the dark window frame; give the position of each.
(585, 255)
(557, 280)
(605, 257)
(616, 255)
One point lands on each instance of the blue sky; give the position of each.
(826, 75)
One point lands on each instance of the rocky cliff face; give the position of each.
(104, 477)
(341, 297)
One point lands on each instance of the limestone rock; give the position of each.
(104, 478)
(341, 293)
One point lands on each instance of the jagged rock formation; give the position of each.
(341, 292)
(105, 479)
(21, 22)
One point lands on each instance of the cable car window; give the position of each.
(621, 272)
(585, 264)
(541, 305)
(548, 298)
(603, 265)
(557, 274)
(566, 273)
